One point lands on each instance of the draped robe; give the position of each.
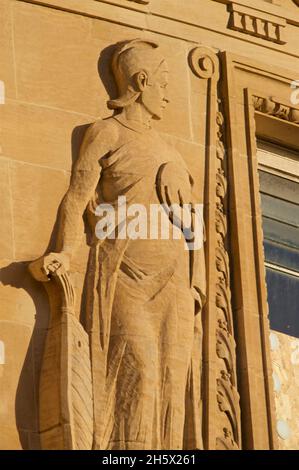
(141, 315)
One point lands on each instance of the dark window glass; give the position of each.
(283, 299)
(280, 210)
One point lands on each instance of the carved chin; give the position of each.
(153, 112)
(159, 114)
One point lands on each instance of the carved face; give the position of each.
(154, 96)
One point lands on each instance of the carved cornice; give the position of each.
(275, 107)
(144, 2)
(256, 23)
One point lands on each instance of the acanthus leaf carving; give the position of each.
(222, 263)
(143, 2)
(227, 395)
(228, 401)
(225, 350)
(226, 442)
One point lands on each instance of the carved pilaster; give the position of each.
(221, 399)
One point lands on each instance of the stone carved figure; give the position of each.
(144, 297)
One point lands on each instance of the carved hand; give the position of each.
(174, 191)
(173, 185)
(43, 268)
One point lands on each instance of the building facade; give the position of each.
(234, 117)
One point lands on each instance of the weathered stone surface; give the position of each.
(19, 407)
(6, 227)
(53, 53)
(46, 137)
(35, 206)
(7, 51)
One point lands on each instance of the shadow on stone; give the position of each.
(26, 403)
(17, 275)
(105, 72)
